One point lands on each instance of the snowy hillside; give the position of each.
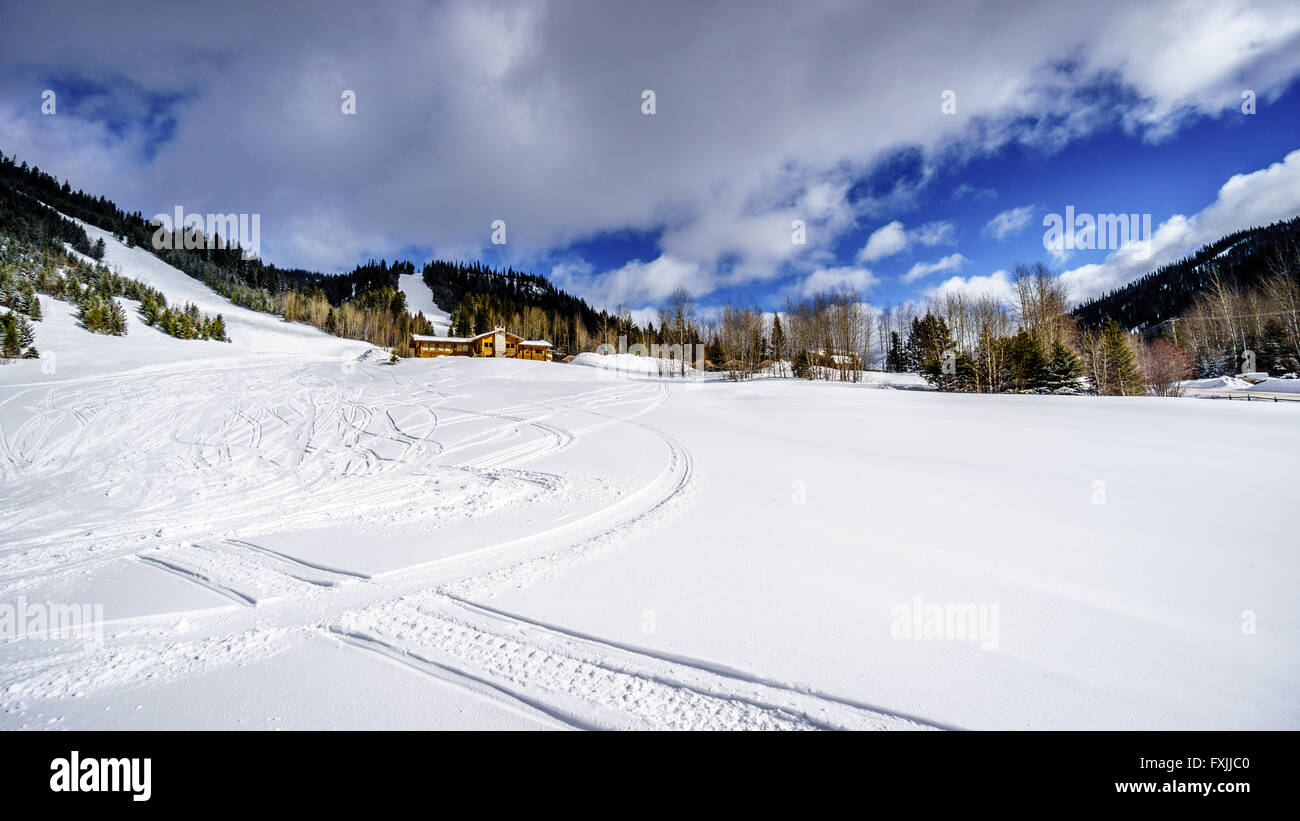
(284, 532)
(419, 299)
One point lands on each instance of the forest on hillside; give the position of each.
(1234, 300)
(364, 303)
(1239, 261)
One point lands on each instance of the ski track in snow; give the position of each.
(195, 467)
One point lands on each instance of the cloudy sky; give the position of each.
(921, 145)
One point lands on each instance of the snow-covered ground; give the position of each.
(634, 365)
(287, 532)
(1224, 384)
(419, 299)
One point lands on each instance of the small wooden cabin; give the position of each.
(497, 342)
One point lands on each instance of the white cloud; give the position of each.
(892, 238)
(469, 112)
(934, 233)
(1258, 198)
(634, 283)
(952, 262)
(1195, 58)
(967, 190)
(997, 284)
(885, 241)
(842, 277)
(1009, 223)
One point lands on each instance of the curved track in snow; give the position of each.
(193, 473)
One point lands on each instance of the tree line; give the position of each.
(1240, 261)
(28, 269)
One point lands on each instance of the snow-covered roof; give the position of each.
(425, 338)
(540, 343)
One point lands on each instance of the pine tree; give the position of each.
(778, 340)
(802, 365)
(10, 346)
(1123, 378)
(462, 323)
(26, 336)
(1028, 364)
(894, 358)
(1275, 356)
(931, 343)
(116, 318)
(1063, 369)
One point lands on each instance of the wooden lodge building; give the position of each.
(497, 342)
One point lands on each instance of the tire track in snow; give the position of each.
(586, 682)
(578, 680)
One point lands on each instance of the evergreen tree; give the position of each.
(1275, 355)
(10, 345)
(801, 365)
(26, 336)
(1028, 364)
(894, 357)
(1122, 377)
(778, 338)
(116, 318)
(1063, 369)
(935, 351)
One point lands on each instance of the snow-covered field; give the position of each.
(287, 532)
(1220, 386)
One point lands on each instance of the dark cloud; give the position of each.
(531, 113)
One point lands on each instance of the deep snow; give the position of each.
(286, 531)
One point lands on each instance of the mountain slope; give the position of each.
(1240, 260)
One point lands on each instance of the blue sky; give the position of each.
(1111, 170)
(824, 112)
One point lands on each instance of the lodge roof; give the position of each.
(540, 343)
(427, 338)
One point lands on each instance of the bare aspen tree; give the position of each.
(678, 322)
(1163, 366)
(740, 336)
(991, 326)
(1284, 295)
(1043, 305)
